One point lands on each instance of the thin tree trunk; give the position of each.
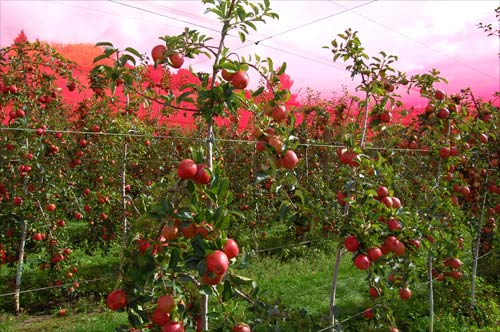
(365, 121)
(431, 292)
(477, 245)
(334, 287)
(124, 207)
(22, 243)
(24, 227)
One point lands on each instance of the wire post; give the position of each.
(124, 207)
(431, 291)
(334, 288)
(476, 249)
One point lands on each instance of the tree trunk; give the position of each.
(20, 262)
(475, 254)
(431, 292)
(334, 287)
(124, 207)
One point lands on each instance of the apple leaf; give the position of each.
(104, 44)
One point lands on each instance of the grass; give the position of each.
(306, 282)
(298, 277)
(95, 322)
(299, 282)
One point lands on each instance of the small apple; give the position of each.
(279, 113)
(176, 60)
(405, 293)
(351, 243)
(231, 249)
(227, 76)
(362, 262)
(289, 160)
(187, 169)
(240, 80)
(439, 94)
(386, 117)
(158, 53)
(202, 175)
(241, 327)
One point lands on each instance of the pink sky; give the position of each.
(424, 34)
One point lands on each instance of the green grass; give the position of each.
(306, 282)
(298, 277)
(95, 322)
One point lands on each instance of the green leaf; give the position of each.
(227, 293)
(282, 69)
(100, 57)
(284, 210)
(174, 258)
(198, 246)
(258, 91)
(206, 290)
(241, 13)
(251, 25)
(134, 52)
(104, 44)
(240, 280)
(242, 36)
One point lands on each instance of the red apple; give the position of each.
(374, 292)
(17, 201)
(396, 203)
(241, 327)
(38, 237)
(172, 326)
(226, 75)
(170, 232)
(158, 53)
(405, 293)
(176, 60)
(165, 304)
(368, 313)
(202, 174)
(289, 160)
(187, 169)
(240, 80)
(444, 152)
(439, 94)
(279, 113)
(217, 262)
(382, 191)
(391, 242)
(231, 249)
(374, 254)
(387, 201)
(386, 117)
(160, 318)
(362, 262)
(351, 243)
(393, 224)
(212, 279)
(117, 299)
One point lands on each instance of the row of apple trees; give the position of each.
(415, 204)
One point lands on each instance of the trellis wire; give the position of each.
(190, 138)
(60, 286)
